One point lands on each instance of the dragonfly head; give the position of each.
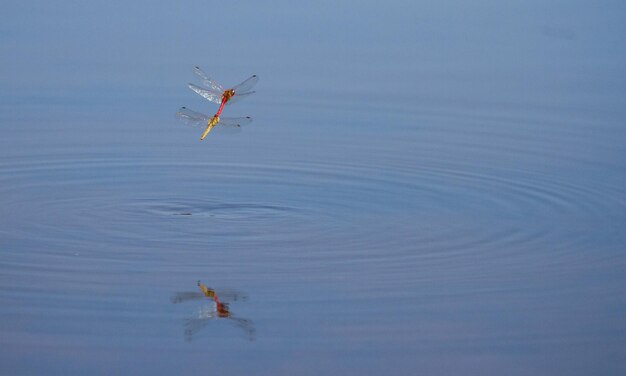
(227, 95)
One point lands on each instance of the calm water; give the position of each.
(425, 189)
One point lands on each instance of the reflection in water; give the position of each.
(216, 309)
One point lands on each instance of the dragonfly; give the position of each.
(195, 119)
(216, 93)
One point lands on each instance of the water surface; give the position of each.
(425, 189)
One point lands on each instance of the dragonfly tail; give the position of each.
(214, 120)
(206, 131)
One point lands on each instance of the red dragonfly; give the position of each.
(216, 93)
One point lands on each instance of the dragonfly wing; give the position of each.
(192, 118)
(229, 125)
(238, 96)
(180, 297)
(232, 295)
(235, 122)
(247, 85)
(246, 325)
(211, 95)
(193, 326)
(207, 80)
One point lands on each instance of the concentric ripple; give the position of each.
(395, 214)
(219, 210)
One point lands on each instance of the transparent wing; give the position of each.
(246, 86)
(232, 295)
(236, 122)
(180, 297)
(207, 80)
(193, 326)
(206, 93)
(229, 125)
(237, 97)
(192, 118)
(246, 325)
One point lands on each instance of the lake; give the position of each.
(433, 188)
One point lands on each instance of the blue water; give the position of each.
(427, 188)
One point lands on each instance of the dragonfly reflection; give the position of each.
(218, 308)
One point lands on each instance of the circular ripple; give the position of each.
(396, 214)
(218, 210)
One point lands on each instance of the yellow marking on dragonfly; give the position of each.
(210, 124)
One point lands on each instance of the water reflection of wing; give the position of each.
(246, 325)
(208, 312)
(196, 324)
(180, 297)
(193, 326)
(229, 295)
